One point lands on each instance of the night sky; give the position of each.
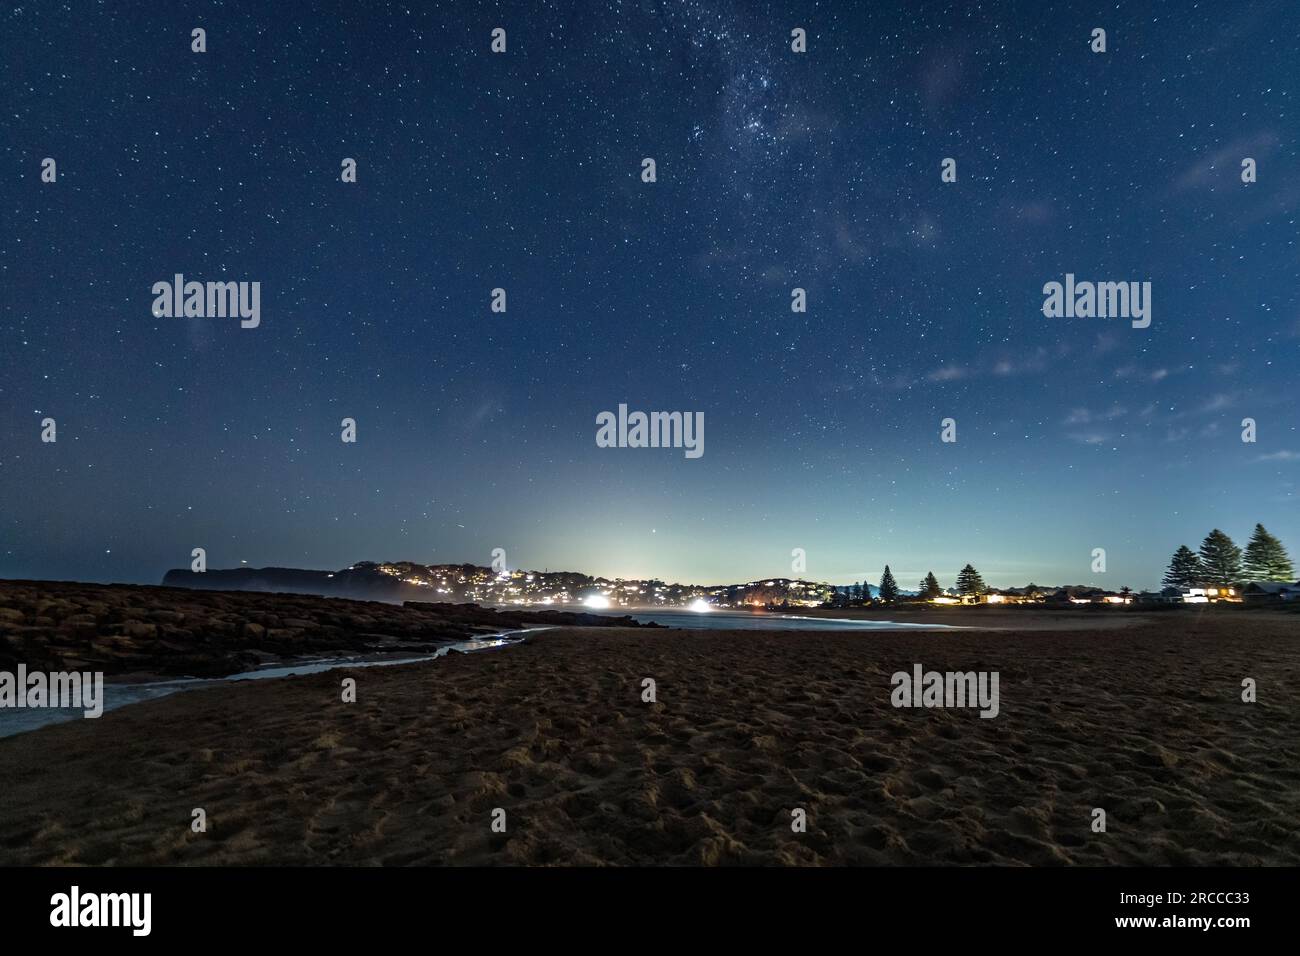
(523, 171)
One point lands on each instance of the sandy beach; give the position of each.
(1146, 722)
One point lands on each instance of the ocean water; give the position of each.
(759, 621)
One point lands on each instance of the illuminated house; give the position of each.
(1011, 596)
(1209, 594)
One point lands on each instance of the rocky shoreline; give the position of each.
(128, 631)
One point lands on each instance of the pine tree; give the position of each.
(888, 586)
(930, 587)
(1221, 559)
(866, 593)
(1266, 559)
(1185, 569)
(970, 582)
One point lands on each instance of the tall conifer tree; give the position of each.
(888, 586)
(1185, 569)
(1221, 560)
(1265, 558)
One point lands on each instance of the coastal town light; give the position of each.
(699, 604)
(597, 600)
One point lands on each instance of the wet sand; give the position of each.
(1145, 722)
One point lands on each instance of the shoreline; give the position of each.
(143, 689)
(1039, 617)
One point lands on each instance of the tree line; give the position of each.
(968, 582)
(1220, 563)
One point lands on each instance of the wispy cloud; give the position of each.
(1217, 167)
(1280, 456)
(1084, 416)
(946, 373)
(1031, 364)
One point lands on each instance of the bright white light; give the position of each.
(699, 604)
(597, 600)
